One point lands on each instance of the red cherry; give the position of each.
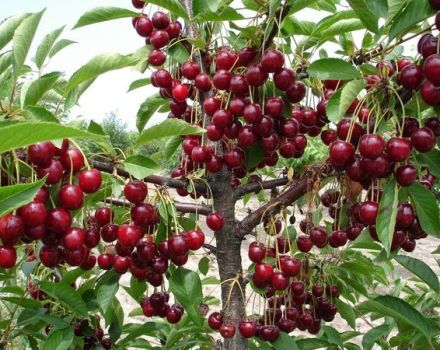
(135, 191)
(129, 235)
(50, 256)
(435, 4)
(252, 113)
(222, 118)
(432, 69)
(247, 328)
(41, 154)
(143, 26)
(163, 78)
(341, 153)
(103, 216)
(272, 61)
(159, 39)
(269, 333)
(256, 76)
(284, 78)
(73, 239)
(368, 211)
(225, 60)
(214, 163)
(290, 266)
(180, 92)
(423, 139)
(91, 237)
(405, 216)
(215, 320)
(214, 221)
(328, 136)
(174, 315)
(156, 58)
(199, 154)
(338, 239)
(121, 264)
(433, 123)
(371, 146)
(406, 175)
(296, 92)
(239, 85)
(279, 281)
(33, 214)
(227, 330)
(430, 93)
(274, 106)
(411, 77)
(304, 243)
(160, 20)
(71, 197)
(203, 82)
(247, 137)
(139, 4)
(398, 149)
(257, 252)
(195, 239)
(54, 172)
(8, 257)
(222, 79)
(178, 245)
(90, 180)
(318, 237)
(174, 29)
(72, 159)
(58, 220)
(263, 272)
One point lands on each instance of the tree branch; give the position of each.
(185, 208)
(240, 191)
(301, 186)
(154, 179)
(282, 12)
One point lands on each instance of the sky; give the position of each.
(109, 92)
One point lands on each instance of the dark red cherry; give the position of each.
(199, 154)
(159, 39)
(73, 239)
(203, 82)
(222, 79)
(214, 163)
(54, 172)
(90, 180)
(318, 237)
(214, 221)
(341, 153)
(72, 159)
(71, 197)
(225, 60)
(160, 20)
(257, 252)
(180, 92)
(41, 154)
(103, 216)
(296, 92)
(239, 85)
(178, 245)
(163, 78)
(279, 281)
(11, 229)
(256, 76)
(121, 264)
(398, 149)
(371, 146)
(143, 26)
(91, 237)
(34, 213)
(195, 239)
(433, 123)
(109, 232)
(406, 175)
(338, 239)
(423, 139)
(156, 58)
(290, 266)
(272, 61)
(405, 216)
(58, 220)
(368, 211)
(269, 333)
(129, 235)
(274, 106)
(430, 93)
(139, 4)
(432, 69)
(252, 113)
(174, 29)
(263, 272)
(50, 256)
(222, 118)
(411, 77)
(247, 137)
(135, 191)
(174, 315)
(284, 78)
(215, 320)
(304, 243)
(247, 328)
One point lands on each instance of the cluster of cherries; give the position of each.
(157, 305)
(48, 219)
(92, 334)
(158, 32)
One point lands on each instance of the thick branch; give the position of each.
(301, 186)
(154, 179)
(279, 16)
(185, 208)
(257, 186)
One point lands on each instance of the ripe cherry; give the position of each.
(174, 315)
(71, 197)
(272, 61)
(337, 239)
(54, 172)
(284, 78)
(90, 180)
(215, 221)
(195, 239)
(304, 243)
(318, 237)
(239, 85)
(91, 237)
(296, 92)
(121, 264)
(8, 257)
(163, 78)
(159, 39)
(225, 59)
(160, 20)
(180, 92)
(433, 123)
(139, 4)
(129, 235)
(199, 154)
(178, 245)
(50, 256)
(156, 58)
(73, 160)
(263, 272)
(406, 175)
(430, 93)
(103, 216)
(432, 69)
(73, 239)
(269, 333)
(290, 266)
(203, 82)
(174, 29)
(135, 191)
(341, 153)
(222, 79)
(247, 328)
(215, 320)
(411, 77)
(368, 211)
(423, 139)
(214, 163)
(256, 76)
(371, 146)
(58, 220)
(405, 216)
(398, 149)
(144, 27)
(227, 330)
(33, 214)
(247, 137)
(279, 281)
(257, 252)
(41, 154)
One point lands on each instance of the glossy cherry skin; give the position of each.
(178, 245)
(256, 76)
(222, 118)
(34, 213)
(180, 92)
(432, 69)
(423, 139)
(54, 172)
(71, 197)
(433, 123)
(296, 92)
(72, 159)
(73, 239)
(156, 58)
(368, 211)
(144, 26)
(247, 328)
(337, 239)
(371, 146)
(272, 61)
(405, 216)
(203, 82)
(58, 220)
(284, 78)
(160, 20)
(103, 216)
(8, 257)
(341, 153)
(257, 252)
(106, 261)
(214, 221)
(129, 235)
(411, 77)
(159, 39)
(135, 191)
(319, 237)
(279, 281)
(406, 175)
(195, 239)
(215, 320)
(304, 243)
(222, 79)
(398, 149)
(90, 180)
(227, 330)
(263, 272)
(50, 256)
(430, 93)
(41, 154)
(174, 315)
(269, 333)
(290, 266)
(121, 264)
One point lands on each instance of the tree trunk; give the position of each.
(229, 259)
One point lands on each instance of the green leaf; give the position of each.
(139, 83)
(66, 295)
(312, 344)
(174, 6)
(349, 92)
(99, 65)
(39, 87)
(8, 27)
(26, 133)
(420, 269)
(59, 45)
(333, 107)
(253, 156)
(204, 265)
(399, 310)
(46, 45)
(171, 146)
(426, 208)
(139, 166)
(332, 68)
(147, 109)
(102, 14)
(432, 161)
(22, 40)
(40, 114)
(178, 53)
(169, 127)
(15, 196)
(187, 288)
(6, 60)
(347, 313)
(386, 219)
(371, 337)
(285, 342)
(333, 336)
(107, 291)
(273, 6)
(394, 8)
(362, 9)
(415, 12)
(225, 13)
(59, 339)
